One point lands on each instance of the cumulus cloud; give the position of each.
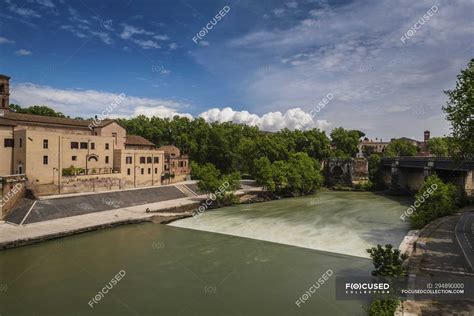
(374, 76)
(272, 121)
(88, 103)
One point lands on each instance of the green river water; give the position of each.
(242, 260)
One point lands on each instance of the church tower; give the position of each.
(4, 92)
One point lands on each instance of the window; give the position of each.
(128, 171)
(45, 160)
(114, 135)
(21, 142)
(84, 145)
(74, 145)
(20, 169)
(128, 160)
(106, 146)
(92, 146)
(74, 158)
(149, 170)
(9, 142)
(157, 159)
(181, 163)
(143, 171)
(106, 159)
(45, 144)
(142, 159)
(156, 170)
(148, 160)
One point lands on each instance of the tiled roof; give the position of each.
(50, 120)
(137, 141)
(6, 122)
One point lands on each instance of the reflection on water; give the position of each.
(176, 271)
(189, 273)
(340, 222)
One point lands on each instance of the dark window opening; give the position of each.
(74, 145)
(84, 146)
(142, 159)
(9, 142)
(45, 144)
(148, 160)
(74, 158)
(45, 160)
(106, 159)
(157, 159)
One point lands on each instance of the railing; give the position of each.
(76, 172)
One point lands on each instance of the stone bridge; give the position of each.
(408, 173)
(345, 171)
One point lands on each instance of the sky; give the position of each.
(379, 66)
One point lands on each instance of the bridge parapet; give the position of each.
(437, 163)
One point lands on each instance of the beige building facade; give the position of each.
(61, 155)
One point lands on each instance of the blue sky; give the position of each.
(265, 63)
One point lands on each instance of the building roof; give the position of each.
(4, 77)
(168, 147)
(6, 122)
(50, 120)
(136, 140)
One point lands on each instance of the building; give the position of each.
(62, 155)
(176, 166)
(368, 147)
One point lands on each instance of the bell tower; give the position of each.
(4, 92)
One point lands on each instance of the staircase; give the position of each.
(186, 190)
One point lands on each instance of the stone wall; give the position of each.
(12, 190)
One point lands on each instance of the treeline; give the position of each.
(236, 147)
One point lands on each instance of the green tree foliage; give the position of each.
(400, 148)
(375, 171)
(298, 175)
(211, 180)
(345, 142)
(436, 199)
(36, 110)
(460, 111)
(438, 146)
(387, 261)
(383, 307)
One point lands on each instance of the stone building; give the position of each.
(176, 166)
(62, 155)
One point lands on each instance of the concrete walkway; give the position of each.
(12, 235)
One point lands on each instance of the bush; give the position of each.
(72, 171)
(364, 186)
(436, 199)
(383, 307)
(387, 261)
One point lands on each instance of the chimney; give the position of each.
(4, 93)
(427, 136)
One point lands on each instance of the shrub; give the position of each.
(387, 261)
(383, 307)
(436, 199)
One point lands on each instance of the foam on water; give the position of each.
(340, 222)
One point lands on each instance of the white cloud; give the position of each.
(46, 3)
(23, 52)
(25, 12)
(173, 46)
(292, 4)
(4, 40)
(272, 121)
(279, 12)
(129, 31)
(87, 103)
(161, 37)
(353, 51)
(204, 43)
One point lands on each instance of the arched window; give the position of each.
(93, 157)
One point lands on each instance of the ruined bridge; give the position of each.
(408, 173)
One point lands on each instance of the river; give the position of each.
(239, 260)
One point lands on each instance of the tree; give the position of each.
(213, 182)
(387, 261)
(345, 141)
(460, 111)
(375, 171)
(435, 199)
(263, 173)
(438, 146)
(36, 110)
(400, 147)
